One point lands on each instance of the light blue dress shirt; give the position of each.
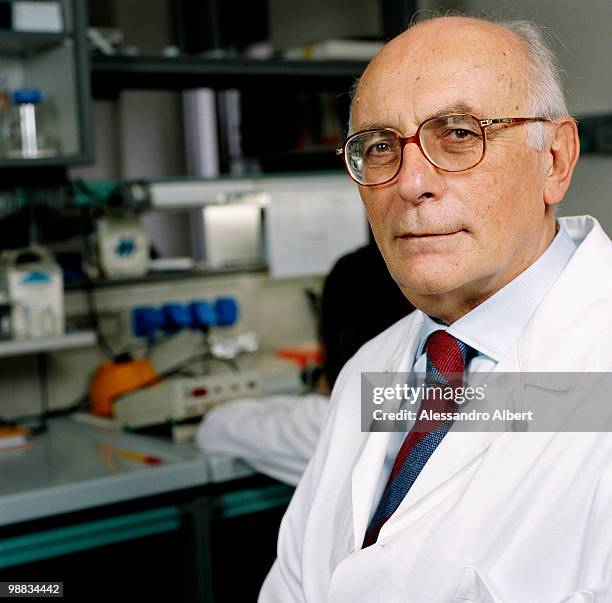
(494, 326)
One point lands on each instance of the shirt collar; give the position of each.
(492, 327)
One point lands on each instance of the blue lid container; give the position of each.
(26, 95)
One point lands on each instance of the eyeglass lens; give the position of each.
(452, 143)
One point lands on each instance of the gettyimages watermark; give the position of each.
(536, 402)
(412, 394)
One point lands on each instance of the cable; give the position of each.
(146, 346)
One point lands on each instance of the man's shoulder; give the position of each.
(587, 276)
(572, 327)
(594, 247)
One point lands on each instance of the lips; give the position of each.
(423, 235)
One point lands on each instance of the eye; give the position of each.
(378, 148)
(461, 133)
(456, 134)
(458, 138)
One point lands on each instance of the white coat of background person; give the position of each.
(492, 517)
(277, 435)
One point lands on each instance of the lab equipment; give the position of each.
(179, 399)
(175, 405)
(298, 234)
(227, 311)
(176, 318)
(172, 317)
(33, 283)
(203, 315)
(146, 321)
(229, 234)
(123, 247)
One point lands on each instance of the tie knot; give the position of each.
(447, 357)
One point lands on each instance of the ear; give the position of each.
(563, 154)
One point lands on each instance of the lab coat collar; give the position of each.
(403, 356)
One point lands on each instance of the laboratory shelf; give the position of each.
(111, 74)
(162, 276)
(68, 341)
(40, 162)
(19, 43)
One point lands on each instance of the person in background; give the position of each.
(277, 435)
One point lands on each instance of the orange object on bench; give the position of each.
(303, 355)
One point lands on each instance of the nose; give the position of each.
(417, 179)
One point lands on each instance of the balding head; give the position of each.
(521, 43)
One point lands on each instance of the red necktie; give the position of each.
(447, 358)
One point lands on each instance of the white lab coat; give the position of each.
(276, 435)
(493, 517)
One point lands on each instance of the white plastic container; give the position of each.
(34, 285)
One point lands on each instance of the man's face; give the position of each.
(454, 236)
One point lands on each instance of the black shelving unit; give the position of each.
(111, 74)
(165, 276)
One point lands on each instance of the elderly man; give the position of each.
(462, 147)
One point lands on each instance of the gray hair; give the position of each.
(545, 96)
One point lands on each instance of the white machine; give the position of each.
(179, 402)
(182, 398)
(31, 283)
(123, 247)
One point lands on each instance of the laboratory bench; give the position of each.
(115, 514)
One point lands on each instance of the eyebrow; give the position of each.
(458, 107)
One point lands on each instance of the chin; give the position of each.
(427, 285)
(424, 289)
(428, 278)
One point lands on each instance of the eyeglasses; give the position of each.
(453, 143)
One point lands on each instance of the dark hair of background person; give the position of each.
(359, 301)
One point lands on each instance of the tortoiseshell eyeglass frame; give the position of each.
(416, 139)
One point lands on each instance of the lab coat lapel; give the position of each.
(365, 480)
(366, 471)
